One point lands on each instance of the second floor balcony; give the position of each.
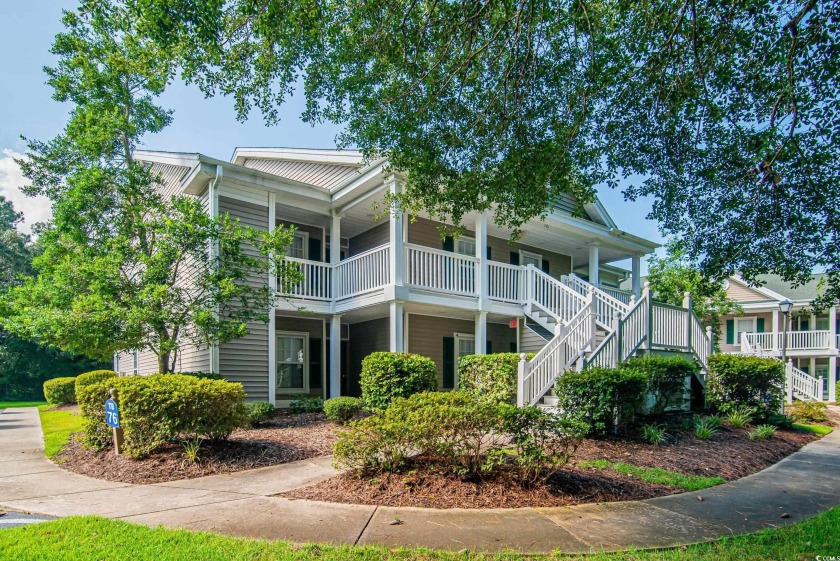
(817, 341)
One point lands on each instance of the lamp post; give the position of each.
(785, 306)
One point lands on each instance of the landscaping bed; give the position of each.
(286, 437)
(729, 455)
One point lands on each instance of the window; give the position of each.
(292, 362)
(300, 246)
(464, 345)
(136, 366)
(465, 246)
(822, 323)
(743, 325)
(528, 258)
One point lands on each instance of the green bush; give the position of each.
(666, 379)
(808, 412)
(654, 434)
(490, 378)
(736, 381)
(258, 412)
(342, 409)
(60, 391)
(159, 408)
(89, 378)
(762, 432)
(306, 404)
(601, 397)
(386, 376)
(202, 375)
(543, 442)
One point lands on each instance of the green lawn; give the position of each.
(8, 404)
(656, 475)
(93, 538)
(57, 427)
(819, 430)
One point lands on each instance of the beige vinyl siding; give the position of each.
(501, 337)
(170, 178)
(426, 233)
(426, 333)
(366, 337)
(314, 173)
(529, 342)
(375, 237)
(245, 360)
(741, 293)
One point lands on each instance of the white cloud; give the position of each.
(34, 209)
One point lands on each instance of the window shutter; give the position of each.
(448, 363)
(314, 250)
(315, 357)
(513, 346)
(489, 253)
(545, 267)
(759, 325)
(489, 349)
(448, 243)
(730, 332)
(514, 258)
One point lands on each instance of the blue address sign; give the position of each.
(112, 414)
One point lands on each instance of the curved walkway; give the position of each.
(242, 504)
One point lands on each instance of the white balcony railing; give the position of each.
(506, 282)
(317, 279)
(440, 271)
(363, 273)
(796, 341)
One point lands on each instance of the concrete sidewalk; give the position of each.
(242, 504)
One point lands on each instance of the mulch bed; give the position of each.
(730, 454)
(286, 438)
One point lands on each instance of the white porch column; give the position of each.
(481, 333)
(397, 238)
(397, 327)
(272, 314)
(482, 276)
(636, 262)
(335, 239)
(832, 378)
(593, 264)
(335, 355)
(832, 327)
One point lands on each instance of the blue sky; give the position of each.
(200, 125)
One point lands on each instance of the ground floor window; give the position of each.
(464, 346)
(743, 325)
(293, 362)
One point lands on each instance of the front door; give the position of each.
(464, 345)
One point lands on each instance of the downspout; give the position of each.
(213, 195)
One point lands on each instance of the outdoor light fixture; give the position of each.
(785, 306)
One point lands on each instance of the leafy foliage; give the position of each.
(672, 276)
(159, 408)
(654, 434)
(60, 391)
(745, 381)
(601, 397)
(666, 379)
(704, 428)
(490, 377)
(762, 432)
(386, 376)
(808, 412)
(739, 417)
(306, 404)
(258, 412)
(93, 377)
(109, 277)
(342, 409)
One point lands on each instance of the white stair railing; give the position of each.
(537, 376)
(608, 309)
(552, 296)
(802, 385)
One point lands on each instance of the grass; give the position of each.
(8, 404)
(656, 475)
(57, 427)
(93, 538)
(819, 430)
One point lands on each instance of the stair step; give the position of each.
(551, 400)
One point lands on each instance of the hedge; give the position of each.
(60, 391)
(601, 397)
(160, 408)
(736, 381)
(342, 409)
(92, 377)
(386, 376)
(491, 377)
(666, 377)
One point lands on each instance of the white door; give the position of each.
(464, 346)
(292, 363)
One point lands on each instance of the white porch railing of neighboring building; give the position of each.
(802, 385)
(796, 341)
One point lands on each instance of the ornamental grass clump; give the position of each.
(762, 432)
(654, 434)
(740, 417)
(704, 428)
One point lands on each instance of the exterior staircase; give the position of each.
(585, 326)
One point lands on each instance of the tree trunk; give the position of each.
(163, 363)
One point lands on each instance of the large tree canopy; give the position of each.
(727, 109)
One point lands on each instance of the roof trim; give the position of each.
(323, 156)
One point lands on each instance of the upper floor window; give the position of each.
(465, 246)
(300, 246)
(530, 258)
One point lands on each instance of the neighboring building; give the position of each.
(812, 341)
(394, 283)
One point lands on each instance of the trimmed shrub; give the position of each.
(490, 378)
(258, 412)
(60, 391)
(666, 379)
(808, 412)
(745, 382)
(342, 409)
(202, 375)
(601, 397)
(92, 377)
(159, 408)
(306, 404)
(386, 376)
